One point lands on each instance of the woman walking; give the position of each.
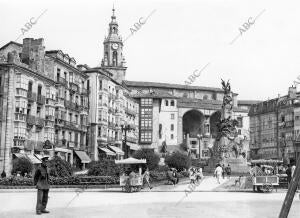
(147, 178)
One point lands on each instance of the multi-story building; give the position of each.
(173, 114)
(43, 112)
(112, 108)
(274, 128)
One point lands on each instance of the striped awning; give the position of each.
(117, 150)
(133, 146)
(83, 156)
(108, 152)
(33, 159)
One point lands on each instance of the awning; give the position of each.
(131, 160)
(117, 150)
(33, 159)
(19, 155)
(108, 152)
(83, 156)
(133, 146)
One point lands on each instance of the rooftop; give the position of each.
(171, 86)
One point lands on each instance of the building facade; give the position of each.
(44, 112)
(113, 112)
(174, 114)
(274, 128)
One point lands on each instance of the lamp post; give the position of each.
(125, 129)
(199, 136)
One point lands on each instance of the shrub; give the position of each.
(104, 168)
(60, 168)
(183, 146)
(178, 160)
(158, 176)
(151, 157)
(72, 180)
(22, 165)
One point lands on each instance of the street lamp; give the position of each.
(199, 136)
(125, 129)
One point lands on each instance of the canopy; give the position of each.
(108, 152)
(263, 161)
(132, 146)
(131, 160)
(117, 150)
(33, 159)
(83, 156)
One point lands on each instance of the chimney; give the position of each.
(33, 54)
(292, 92)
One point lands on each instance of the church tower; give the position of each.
(113, 60)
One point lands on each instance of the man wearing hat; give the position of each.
(41, 181)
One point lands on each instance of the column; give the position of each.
(179, 130)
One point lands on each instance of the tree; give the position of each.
(103, 168)
(22, 165)
(151, 157)
(60, 168)
(178, 160)
(183, 146)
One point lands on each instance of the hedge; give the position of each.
(73, 180)
(178, 160)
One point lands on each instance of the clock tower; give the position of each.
(113, 60)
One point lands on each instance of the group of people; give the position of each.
(195, 174)
(172, 176)
(220, 172)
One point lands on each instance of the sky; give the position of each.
(254, 44)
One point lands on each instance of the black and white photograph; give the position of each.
(150, 109)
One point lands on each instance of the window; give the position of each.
(99, 130)
(172, 136)
(297, 117)
(100, 85)
(115, 58)
(76, 119)
(240, 122)
(167, 102)
(172, 116)
(172, 127)
(146, 137)
(172, 103)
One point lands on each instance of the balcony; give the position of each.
(62, 81)
(31, 96)
(131, 139)
(130, 112)
(20, 117)
(30, 120)
(84, 91)
(70, 105)
(74, 86)
(39, 122)
(40, 99)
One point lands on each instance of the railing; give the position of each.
(39, 122)
(129, 111)
(74, 86)
(30, 120)
(31, 96)
(62, 81)
(40, 99)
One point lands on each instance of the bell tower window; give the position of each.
(115, 58)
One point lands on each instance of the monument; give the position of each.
(228, 146)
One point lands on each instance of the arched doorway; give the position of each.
(193, 123)
(214, 120)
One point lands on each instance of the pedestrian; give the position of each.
(293, 169)
(228, 171)
(171, 177)
(146, 177)
(223, 171)
(175, 175)
(192, 175)
(218, 173)
(41, 181)
(289, 174)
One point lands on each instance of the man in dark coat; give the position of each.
(41, 181)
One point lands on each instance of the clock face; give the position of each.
(115, 46)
